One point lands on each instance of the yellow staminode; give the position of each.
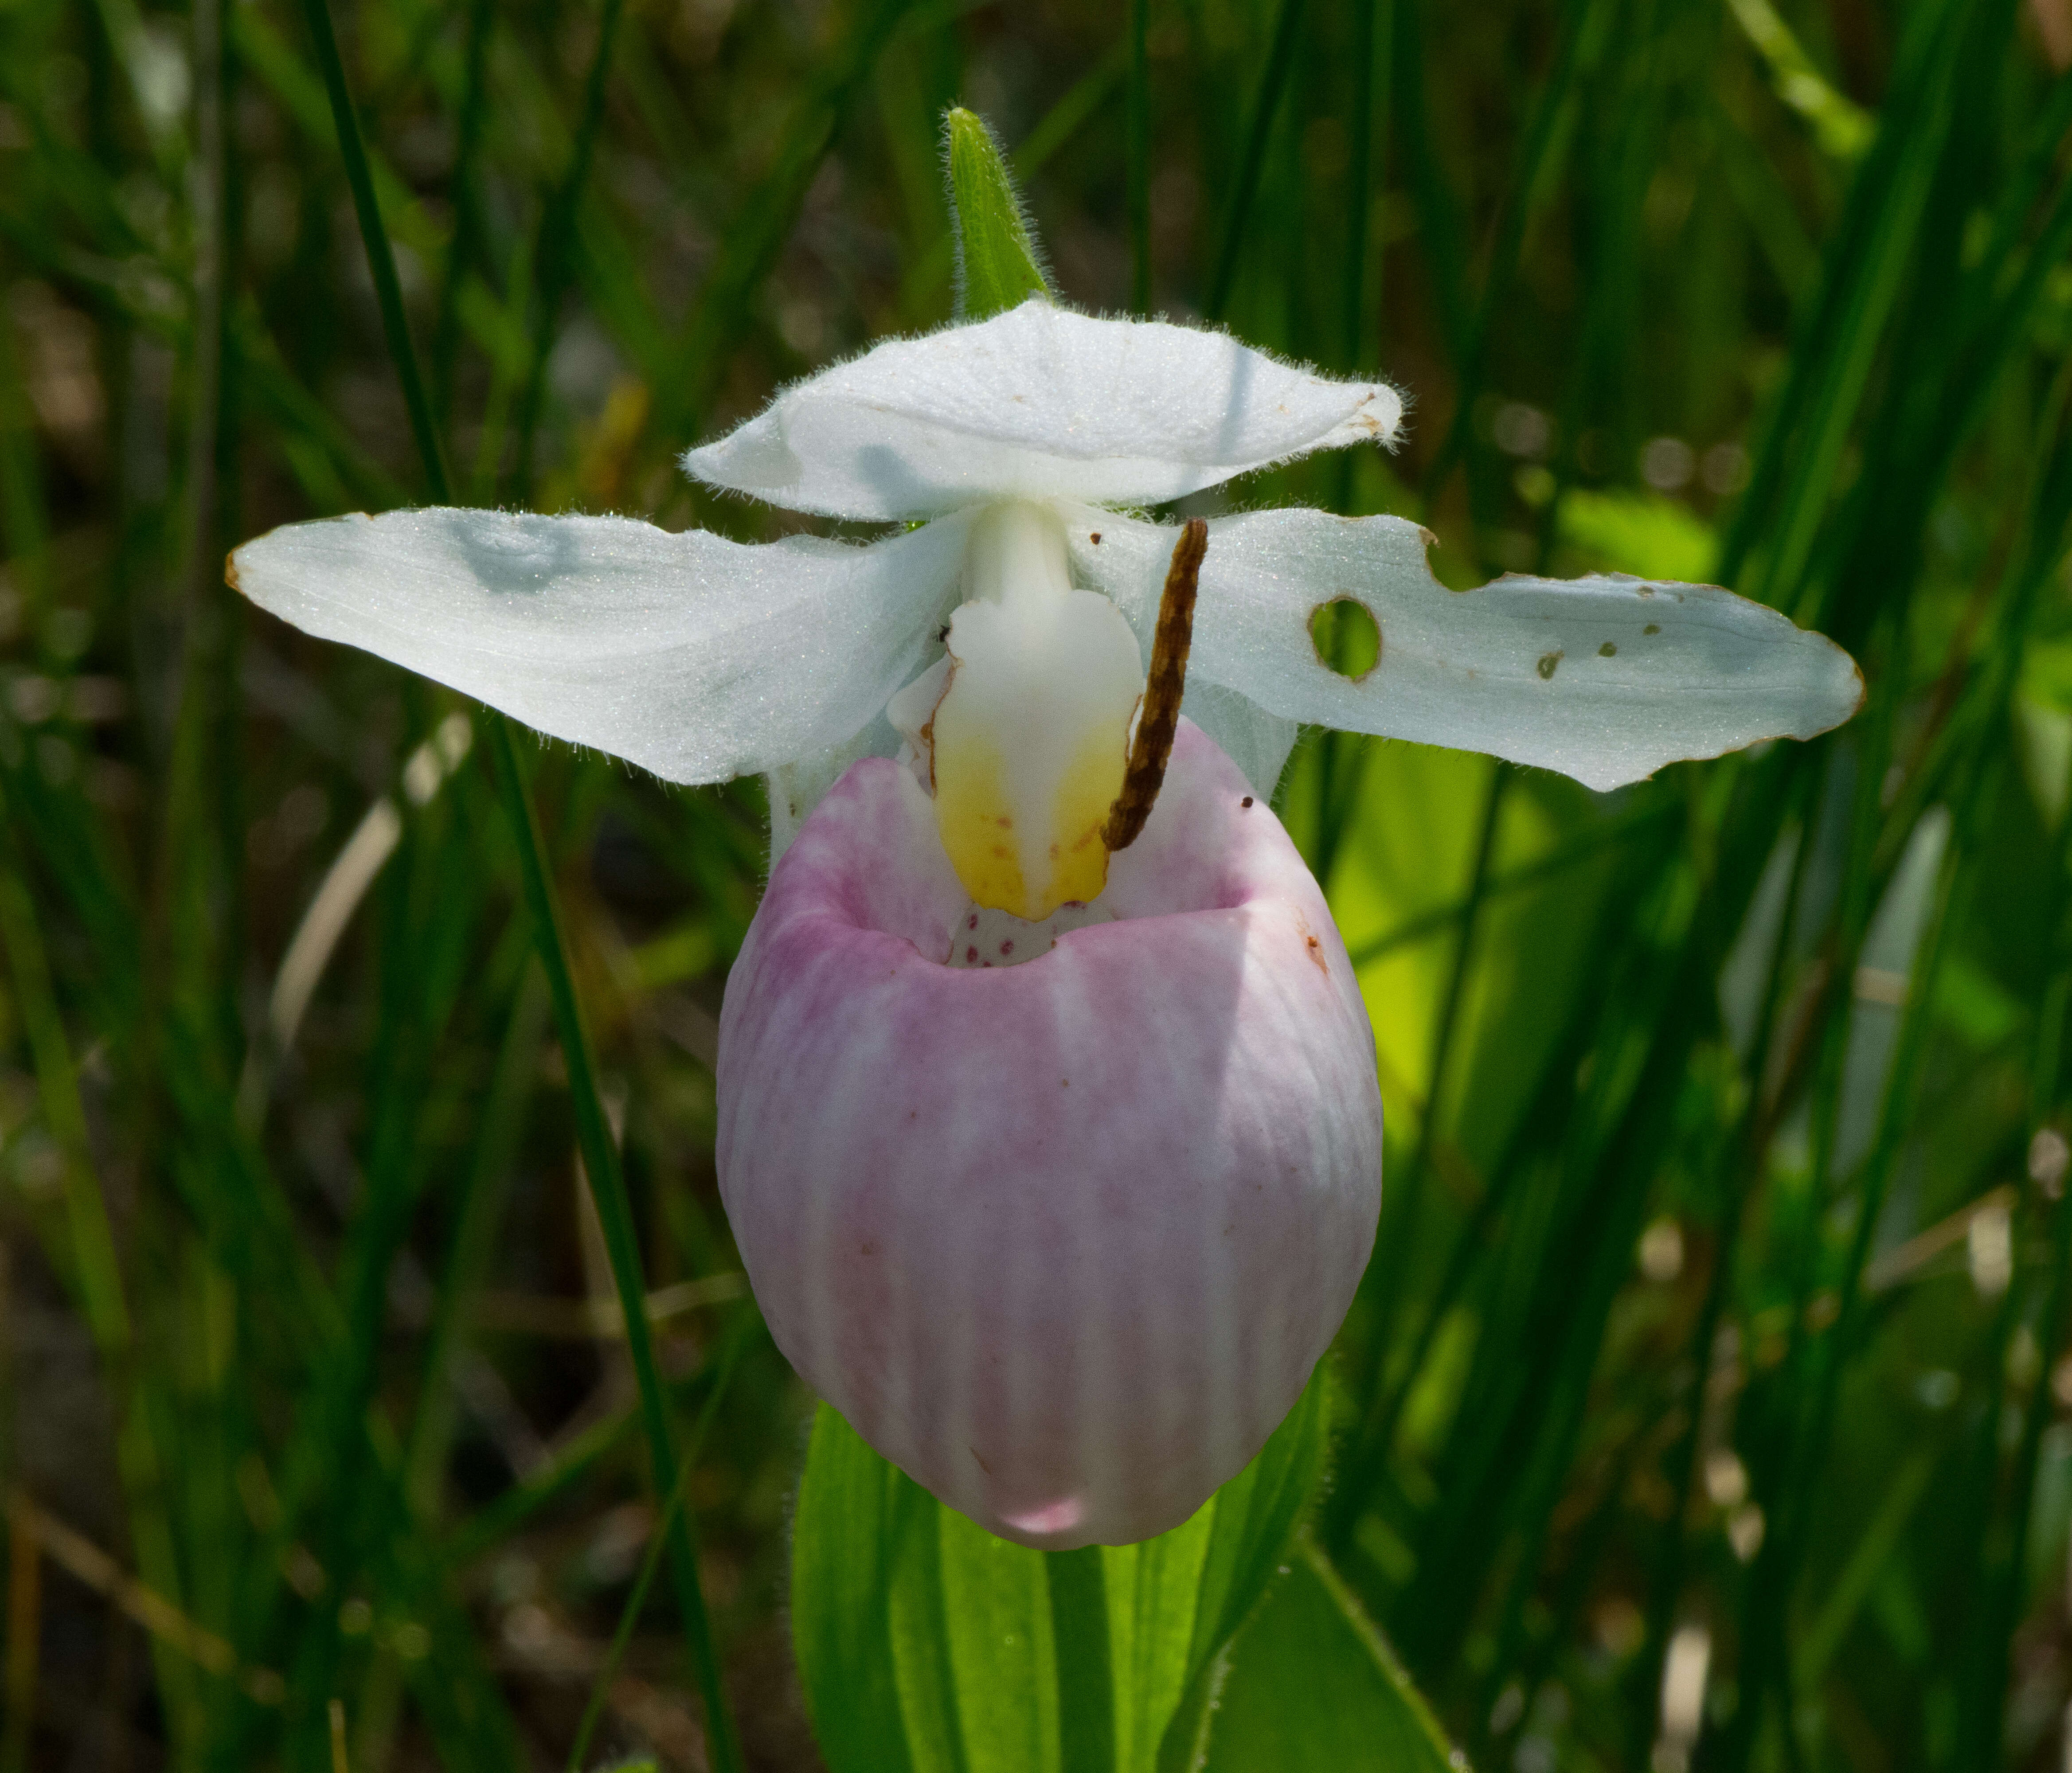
(1030, 739)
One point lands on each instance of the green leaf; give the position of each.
(1257, 1514)
(1312, 1684)
(927, 1643)
(997, 265)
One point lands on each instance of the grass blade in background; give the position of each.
(600, 1154)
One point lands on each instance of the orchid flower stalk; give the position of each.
(1053, 1149)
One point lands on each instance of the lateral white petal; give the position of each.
(1605, 678)
(692, 656)
(796, 788)
(1256, 741)
(1037, 402)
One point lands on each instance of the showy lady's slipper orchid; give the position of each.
(1053, 1162)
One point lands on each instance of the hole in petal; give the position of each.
(1346, 636)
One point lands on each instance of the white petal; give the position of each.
(794, 789)
(1257, 742)
(692, 656)
(1605, 679)
(1038, 403)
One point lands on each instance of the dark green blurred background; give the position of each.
(1708, 1403)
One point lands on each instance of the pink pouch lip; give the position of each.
(1062, 1239)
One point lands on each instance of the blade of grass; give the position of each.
(1805, 1434)
(614, 1212)
(553, 268)
(1344, 757)
(1518, 1416)
(1742, 1163)
(1518, 1441)
(1586, 845)
(1583, 23)
(1259, 130)
(479, 1212)
(92, 1264)
(1866, 270)
(481, 1533)
(764, 222)
(1394, 1242)
(1139, 121)
(464, 249)
(599, 1152)
(629, 1615)
(380, 255)
(2001, 1609)
(1078, 1584)
(1440, 227)
(1363, 1464)
(21, 485)
(1371, 39)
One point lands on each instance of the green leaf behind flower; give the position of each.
(998, 267)
(1358, 1708)
(927, 1643)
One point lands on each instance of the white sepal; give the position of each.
(695, 657)
(1256, 741)
(1605, 679)
(1038, 403)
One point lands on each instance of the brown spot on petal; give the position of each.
(1095, 538)
(971, 954)
(1314, 947)
(1246, 802)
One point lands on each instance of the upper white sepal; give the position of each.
(1038, 403)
